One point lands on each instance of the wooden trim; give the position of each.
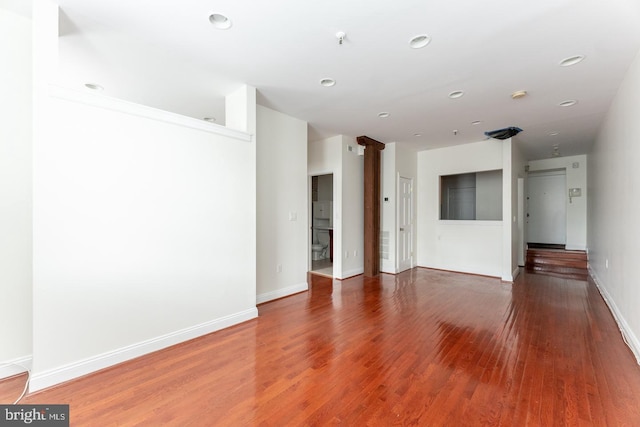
(370, 142)
(371, 205)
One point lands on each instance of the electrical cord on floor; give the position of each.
(26, 383)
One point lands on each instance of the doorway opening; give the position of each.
(321, 246)
(547, 209)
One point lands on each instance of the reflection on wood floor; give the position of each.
(421, 348)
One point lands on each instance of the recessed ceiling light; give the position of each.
(476, 122)
(327, 82)
(572, 60)
(220, 21)
(419, 41)
(456, 94)
(417, 134)
(210, 119)
(383, 115)
(554, 133)
(568, 103)
(519, 94)
(93, 86)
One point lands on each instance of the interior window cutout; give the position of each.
(471, 196)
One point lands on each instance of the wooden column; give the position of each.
(371, 205)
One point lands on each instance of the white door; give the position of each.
(405, 224)
(547, 207)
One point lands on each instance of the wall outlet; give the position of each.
(293, 216)
(279, 268)
(346, 254)
(355, 252)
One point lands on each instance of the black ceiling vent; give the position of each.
(503, 133)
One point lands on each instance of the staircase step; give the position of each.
(551, 253)
(564, 272)
(567, 262)
(557, 261)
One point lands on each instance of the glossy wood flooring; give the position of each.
(424, 348)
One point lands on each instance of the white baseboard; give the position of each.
(17, 366)
(41, 380)
(281, 293)
(627, 334)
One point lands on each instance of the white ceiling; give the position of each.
(168, 55)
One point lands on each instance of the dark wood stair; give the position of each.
(558, 262)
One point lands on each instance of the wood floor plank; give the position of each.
(423, 347)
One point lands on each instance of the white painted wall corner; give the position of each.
(281, 293)
(41, 380)
(15, 366)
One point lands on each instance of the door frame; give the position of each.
(310, 216)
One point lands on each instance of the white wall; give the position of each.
(480, 247)
(613, 228)
(332, 155)
(142, 229)
(15, 190)
(518, 243)
(282, 205)
(577, 208)
(352, 250)
(397, 161)
(388, 209)
(513, 168)
(144, 225)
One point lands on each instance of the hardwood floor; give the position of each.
(424, 348)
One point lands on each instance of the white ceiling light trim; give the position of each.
(456, 94)
(327, 82)
(572, 60)
(383, 115)
(568, 103)
(220, 21)
(419, 41)
(94, 86)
